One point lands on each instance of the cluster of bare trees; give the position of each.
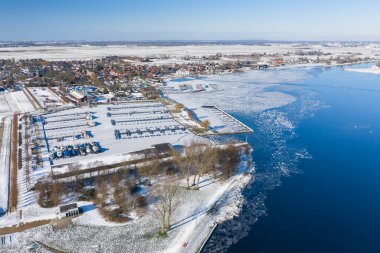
(49, 193)
(165, 190)
(116, 196)
(202, 158)
(101, 193)
(149, 169)
(227, 160)
(166, 194)
(122, 194)
(348, 60)
(197, 160)
(78, 182)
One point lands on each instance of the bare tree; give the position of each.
(75, 169)
(55, 193)
(167, 194)
(43, 188)
(101, 194)
(115, 180)
(198, 159)
(186, 162)
(206, 162)
(205, 124)
(149, 169)
(228, 159)
(179, 107)
(121, 200)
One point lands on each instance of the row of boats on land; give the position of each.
(75, 150)
(88, 119)
(82, 135)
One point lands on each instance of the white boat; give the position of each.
(95, 149)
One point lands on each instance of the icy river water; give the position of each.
(317, 182)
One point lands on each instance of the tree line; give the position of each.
(117, 194)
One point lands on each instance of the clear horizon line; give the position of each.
(190, 40)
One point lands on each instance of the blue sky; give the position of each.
(189, 20)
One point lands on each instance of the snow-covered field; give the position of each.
(4, 107)
(32, 212)
(90, 52)
(86, 52)
(46, 97)
(22, 101)
(10, 102)
(14, 102)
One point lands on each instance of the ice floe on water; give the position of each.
(244, 93)
(276, 121)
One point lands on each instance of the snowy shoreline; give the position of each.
(371, 70)
(225, 207)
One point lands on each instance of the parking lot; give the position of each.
(73, 135)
